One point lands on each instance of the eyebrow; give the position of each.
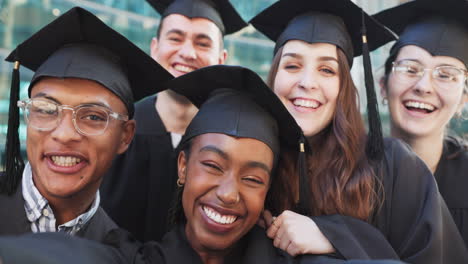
(176, 31)
(298, 56)
(48, 97)
(211, 148)
(256, 164)
(224, 155)
(203, 36)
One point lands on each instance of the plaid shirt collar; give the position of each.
(40, 214)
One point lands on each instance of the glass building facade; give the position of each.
(136, 19)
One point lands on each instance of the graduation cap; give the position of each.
(235, 101)
(221, 12)
(78, 45)
(338, 22)
(440, 27)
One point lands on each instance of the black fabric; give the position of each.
(440, 27)
(221, 12)
(413, 216)
(78, 26)
(55, 248)
(452, 178)
(336, 22)
(138, 189)
(15, 222)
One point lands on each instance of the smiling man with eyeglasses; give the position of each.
(79, 117)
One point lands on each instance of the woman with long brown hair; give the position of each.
(349, 174)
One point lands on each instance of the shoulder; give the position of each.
(455, 148)
(98, 226)
(403, 169)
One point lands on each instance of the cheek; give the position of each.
(255, 201)
(283, 84)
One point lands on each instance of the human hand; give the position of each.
(296, 234)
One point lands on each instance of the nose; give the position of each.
(425, 85)
(65, 131)
(187, 51)
(228, 191)
(307, 81)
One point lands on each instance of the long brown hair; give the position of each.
(341, 178)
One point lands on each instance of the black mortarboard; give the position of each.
(235, 101)
(440, 27)
(78, 44)
(221, 12)
(337, 22)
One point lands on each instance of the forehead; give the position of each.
(74, 91)
(310, 49)
(237, 148)
(417, 53)
(192, 26)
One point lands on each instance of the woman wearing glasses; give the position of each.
(425, 84)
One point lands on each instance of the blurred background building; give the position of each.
(135, 19)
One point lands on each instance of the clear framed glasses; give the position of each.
(447, 77)
(88, 119)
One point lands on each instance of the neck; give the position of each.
(176, 111)
(429, 148)
(67, 208)
(207, 255)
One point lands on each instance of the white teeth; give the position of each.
(65, 161)
(419, 105)
(218, 218)
(306, 103)
(183, 68)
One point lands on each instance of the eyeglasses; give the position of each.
(447, 77)
(88, 119)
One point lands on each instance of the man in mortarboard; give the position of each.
(79, 115)
(190, 36)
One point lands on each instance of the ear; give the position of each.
(182, 167)
(154, 47)
(223, 56)
(383, 87)
(128, 132)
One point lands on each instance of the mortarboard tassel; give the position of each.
(14, 163)
(374, 146)
(304, 186)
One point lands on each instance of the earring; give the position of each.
(179, 183)
(384, 101)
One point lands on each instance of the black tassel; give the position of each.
(375, 145)
(304, 185)
(14, 163)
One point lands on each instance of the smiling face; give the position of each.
(66, 164)
(226, 182)
(186, 44)
(307, 82)
(422, 108)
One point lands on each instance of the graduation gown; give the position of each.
(13, 219)
(56, 248)
(138, 189)
(413, 218)
(452, 177)
(255, 247)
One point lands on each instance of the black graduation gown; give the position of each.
(13, 219)
(452, 177)
(138, 189)
(56, 248)
(255, 247)
(413, 218)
